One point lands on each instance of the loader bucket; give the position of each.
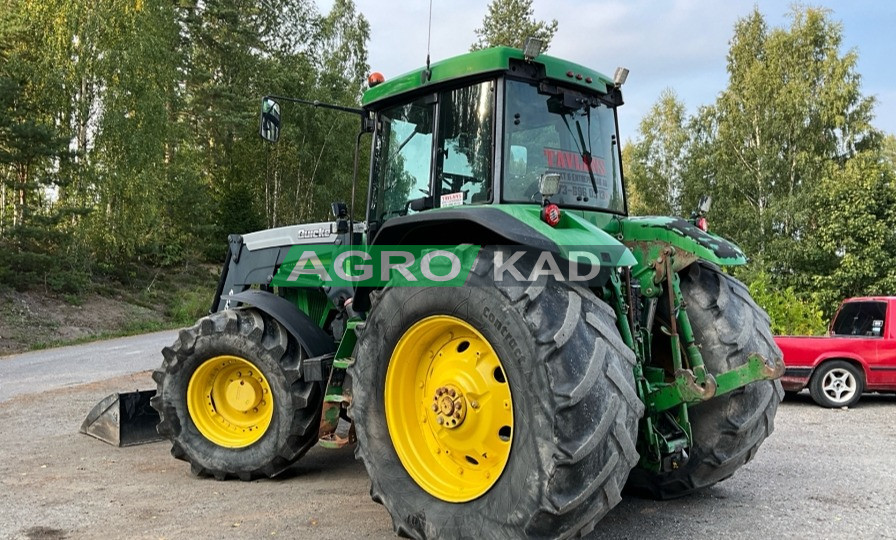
(123, 419)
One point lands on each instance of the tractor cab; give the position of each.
(485, 128)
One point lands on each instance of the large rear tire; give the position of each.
(231, 397)
(728, 429)
(538, 374)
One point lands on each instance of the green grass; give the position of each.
(142, 327)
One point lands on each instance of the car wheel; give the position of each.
(837, 384)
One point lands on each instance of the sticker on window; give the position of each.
(452, 199)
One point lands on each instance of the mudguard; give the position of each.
(506, 224)
(313, 339)
(639, 233)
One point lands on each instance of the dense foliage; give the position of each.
(128, 129)
(128, 132)
(799, 176)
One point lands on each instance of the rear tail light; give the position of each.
(702, 224)
(551, 214)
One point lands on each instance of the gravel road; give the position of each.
(823, 473)
(39, 371)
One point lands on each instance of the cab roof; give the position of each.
(870, 299)
(495, 59)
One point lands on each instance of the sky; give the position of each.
(677, 44)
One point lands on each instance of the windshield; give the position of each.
(561, 131)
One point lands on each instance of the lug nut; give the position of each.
(435, 407)
(440, 420)
(474, 404)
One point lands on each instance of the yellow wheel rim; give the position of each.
(448, 408)
(230, 401)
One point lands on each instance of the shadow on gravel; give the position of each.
(874, 398)
(43, 533)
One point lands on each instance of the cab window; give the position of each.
(466, 124)
(403, 158)
(861, 319)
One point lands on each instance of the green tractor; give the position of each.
(515, 401)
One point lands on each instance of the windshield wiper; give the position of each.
(584, 151)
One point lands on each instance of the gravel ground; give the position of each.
(823, 473)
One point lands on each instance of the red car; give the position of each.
(858, 354)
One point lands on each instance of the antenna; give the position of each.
(427, 73)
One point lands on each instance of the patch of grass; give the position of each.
(133, 329)
(154, 299)
(190, 305)
(73, 299)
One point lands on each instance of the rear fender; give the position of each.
(506, 224)
(645, 236)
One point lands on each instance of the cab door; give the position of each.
(883, 370)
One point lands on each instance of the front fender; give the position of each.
(313, 339)
(640, 233)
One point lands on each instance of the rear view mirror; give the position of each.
(270, 120)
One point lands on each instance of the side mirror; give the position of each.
(549, 184)
(270, 120)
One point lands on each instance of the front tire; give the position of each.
(556, 405)
(231, 397)
(728, 429)
(836, 383)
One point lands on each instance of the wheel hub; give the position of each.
(242, 396)
(450, 406)
(230, 401)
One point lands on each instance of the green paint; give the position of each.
(311, 301)
(331, 265)
(634, 231)
(573, 231)
(346, 347)
(756, 369)
(479, 63)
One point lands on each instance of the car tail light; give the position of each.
(702, 224)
